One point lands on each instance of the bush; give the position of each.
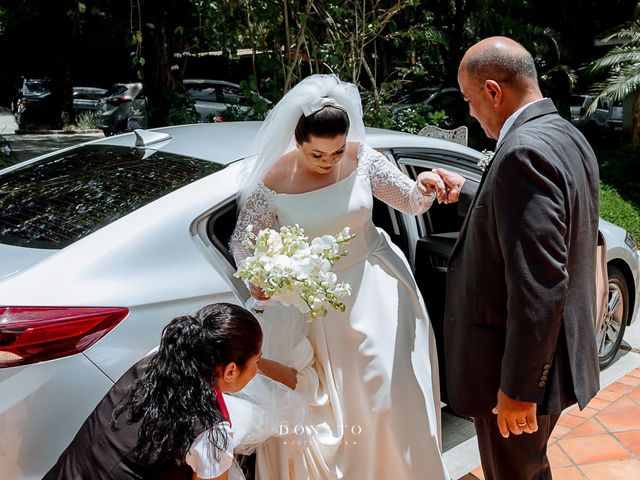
(620, 169)
(620, 187)
(617, 210)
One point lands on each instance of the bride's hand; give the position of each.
(279, 372)
(431, 182)
(257, 292)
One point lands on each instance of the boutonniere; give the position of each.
(487, 156)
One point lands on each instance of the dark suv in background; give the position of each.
(36, 104)
(115, 108)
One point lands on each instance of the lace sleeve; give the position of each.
(390, 185)
(257, 211)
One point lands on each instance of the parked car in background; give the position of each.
(214, 98)
(102, 244)
(614, 122)
(431, 99)
(449, 100)
(114, 109)
(36, 104)
(86, 99)
(592, 124)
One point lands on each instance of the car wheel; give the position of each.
(609, 338)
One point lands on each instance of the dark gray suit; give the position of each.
(521, 292)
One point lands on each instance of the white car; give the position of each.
(102, 244)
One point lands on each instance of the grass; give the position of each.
(614, 208)
(620, 186)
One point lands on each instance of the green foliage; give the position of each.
(619, 168)
(84, 121)
(182, 109)
(615, 209)
(620, 190)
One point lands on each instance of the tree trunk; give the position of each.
(161, 41)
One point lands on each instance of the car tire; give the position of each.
(609, 338)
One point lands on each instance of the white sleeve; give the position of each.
(258, 212)
(202, 454)
(390, 185)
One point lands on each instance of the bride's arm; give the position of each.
(392, 186)
(280, 373)
(257, 212)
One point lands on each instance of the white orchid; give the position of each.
(295, 272)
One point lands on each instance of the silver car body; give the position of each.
(158, 262)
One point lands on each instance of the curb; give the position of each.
(58, 132)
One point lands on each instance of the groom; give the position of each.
(521, 288)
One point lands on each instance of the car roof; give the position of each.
(227, 142)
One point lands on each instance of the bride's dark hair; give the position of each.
(329, 122)
(175, 395)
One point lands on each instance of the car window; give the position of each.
(61, 199)
(116, 91)
(31, 88)
(204, 93)
(577, 100)
(233, 95)
(441, 219)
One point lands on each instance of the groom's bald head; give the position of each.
(501, 59)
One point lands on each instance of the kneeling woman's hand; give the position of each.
(258, 293)
(280, 373)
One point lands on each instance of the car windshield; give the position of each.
(205, 92)
(581, 101)
(116, 91)
(57, 201)
(34, 88)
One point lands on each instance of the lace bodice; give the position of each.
(387, 183)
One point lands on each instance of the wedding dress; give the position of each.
(369, 374)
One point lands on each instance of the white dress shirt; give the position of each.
(511, 120)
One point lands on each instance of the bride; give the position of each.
(368, 375)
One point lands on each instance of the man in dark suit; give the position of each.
(521, 289)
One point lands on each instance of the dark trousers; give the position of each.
(519, 457)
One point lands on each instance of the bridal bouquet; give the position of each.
(293, 270)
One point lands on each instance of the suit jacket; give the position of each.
(521, 291)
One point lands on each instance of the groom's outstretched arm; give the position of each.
(467, 193)
(458, 189)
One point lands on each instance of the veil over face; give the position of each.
(276, 136)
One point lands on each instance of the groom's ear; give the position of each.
(494, 91)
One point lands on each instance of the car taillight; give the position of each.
(118, 100)
(583, 111)
(34, 334)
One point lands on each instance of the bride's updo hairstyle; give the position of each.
(329, 122)
(329, 107)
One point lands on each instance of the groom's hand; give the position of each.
(515, 416)
(430, 182)
(453, 183)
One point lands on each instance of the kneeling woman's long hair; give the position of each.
(175, 395)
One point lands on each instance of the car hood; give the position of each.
(16, 259)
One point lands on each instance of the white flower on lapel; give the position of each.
(487, 156)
